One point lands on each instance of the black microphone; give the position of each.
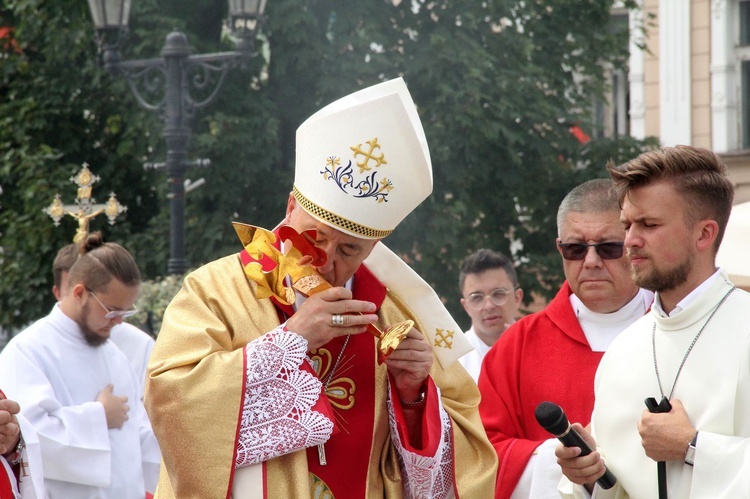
(553, 419)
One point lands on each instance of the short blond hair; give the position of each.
(697, 174)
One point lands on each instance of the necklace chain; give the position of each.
(690, 348)
(330, 374)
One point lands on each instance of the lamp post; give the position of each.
(171, 78)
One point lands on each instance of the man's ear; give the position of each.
(709, 230)
(291, 205)
(78, 290)
(557, 247)
(463, 304)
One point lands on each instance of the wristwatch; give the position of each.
(416, 404)
(690, 452)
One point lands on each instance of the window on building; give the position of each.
(743, 59)
(611, 117)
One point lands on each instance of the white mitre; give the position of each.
(362, 166)
(362, 162)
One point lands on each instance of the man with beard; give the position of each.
(689, 358)
(77, 389)
(134, 343)
(553, 355)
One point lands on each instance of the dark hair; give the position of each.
(485, 259)
(64, 259)
(593, 196)
(696, 173)
(100, 262)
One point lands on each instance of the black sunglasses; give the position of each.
(577, 251)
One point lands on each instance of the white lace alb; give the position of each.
(426, 476)
(277, 415)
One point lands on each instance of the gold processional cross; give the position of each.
(85, 208)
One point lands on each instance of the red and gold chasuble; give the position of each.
(195, 389)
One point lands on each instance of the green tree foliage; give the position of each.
(497, 83)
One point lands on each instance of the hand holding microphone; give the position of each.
(552, 418)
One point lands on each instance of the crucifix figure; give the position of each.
(85, 207)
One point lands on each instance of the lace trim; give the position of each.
(277, 415)
(426, 476)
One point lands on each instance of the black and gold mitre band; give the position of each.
(336, 220)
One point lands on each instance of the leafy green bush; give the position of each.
(153, 300)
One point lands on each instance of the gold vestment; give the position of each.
(194, 394)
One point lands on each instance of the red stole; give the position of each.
(6, 489)
(351, 394)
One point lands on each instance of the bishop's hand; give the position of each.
(10, 432)
(317, 319)
(409, 365)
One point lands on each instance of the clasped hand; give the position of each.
(410, 364)
(10, 432)
(665, 436)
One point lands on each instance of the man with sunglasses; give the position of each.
(134, 343)
(553, 355)
(77, 389)
(491, 297)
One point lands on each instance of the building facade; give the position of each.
(689, 79)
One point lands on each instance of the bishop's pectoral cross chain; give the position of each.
(321, 447)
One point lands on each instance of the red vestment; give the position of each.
(542, 357)
(6, 488)
(357, 419)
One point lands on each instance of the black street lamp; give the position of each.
(172, 77)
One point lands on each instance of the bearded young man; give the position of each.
(690, 355)
(259, 389)
(134, 343)
(77, 389)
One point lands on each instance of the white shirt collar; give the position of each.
(601, 329)
(690, 298)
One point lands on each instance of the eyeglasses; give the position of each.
(578, 251)
(112, 314)
(498, 297)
